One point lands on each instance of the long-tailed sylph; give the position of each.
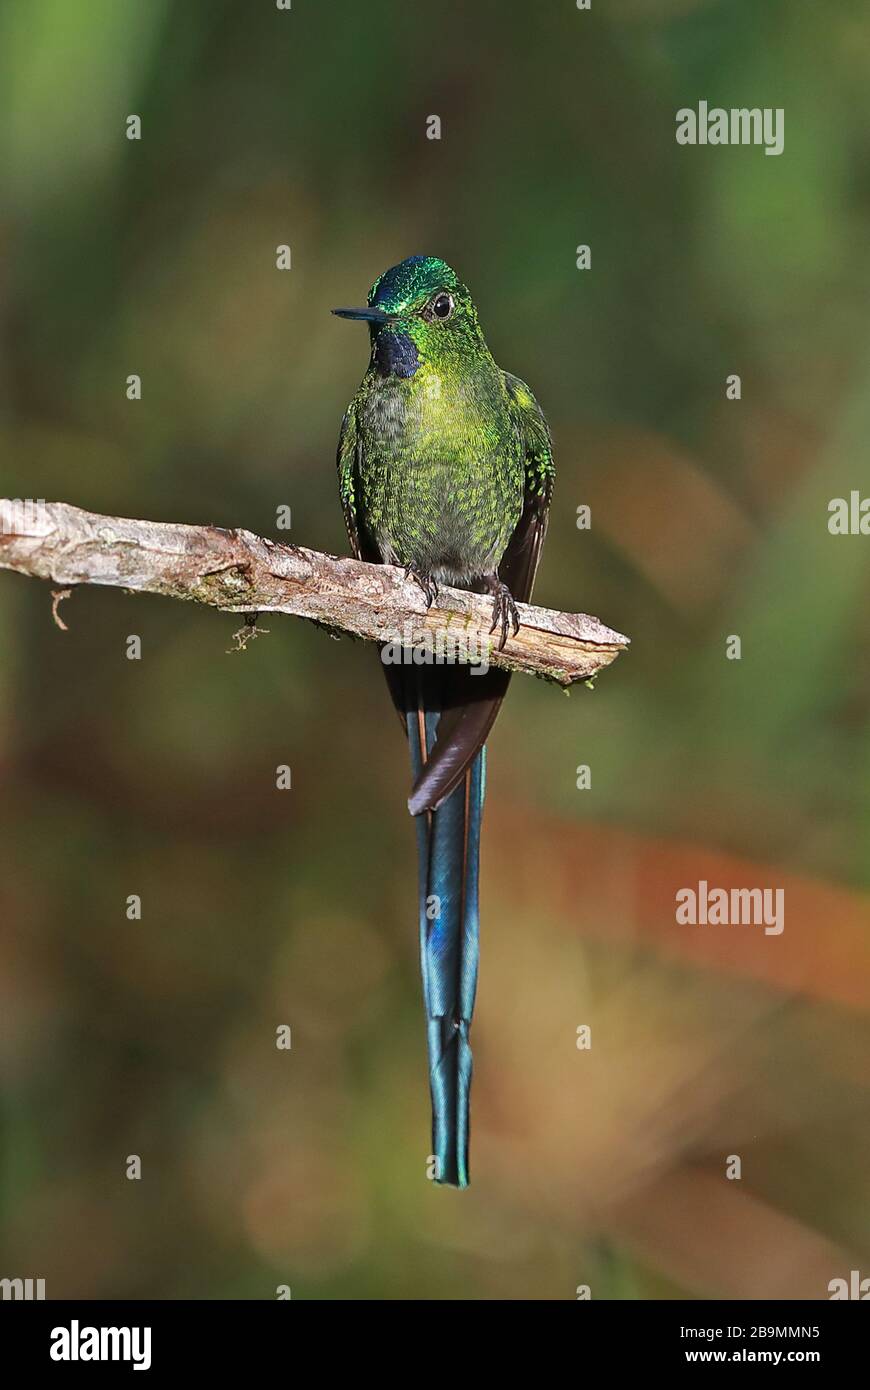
(446, 468)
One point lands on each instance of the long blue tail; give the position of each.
(448, 852)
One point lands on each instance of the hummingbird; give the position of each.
(445, 469)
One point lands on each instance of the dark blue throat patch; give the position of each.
(395, 353)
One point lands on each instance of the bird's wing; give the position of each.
(470, 703)
(520, 562)
(347, 479)
(360, 542)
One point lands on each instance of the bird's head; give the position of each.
(419, 312)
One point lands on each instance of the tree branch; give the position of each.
(239, 572)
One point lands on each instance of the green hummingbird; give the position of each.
(446, 469)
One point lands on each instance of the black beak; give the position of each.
(368, 315)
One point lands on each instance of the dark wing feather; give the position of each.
(522, 556)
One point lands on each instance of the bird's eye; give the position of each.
(442, 305)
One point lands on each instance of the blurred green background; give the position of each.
(709, 518)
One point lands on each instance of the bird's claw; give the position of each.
(426, 583)
(504, 613)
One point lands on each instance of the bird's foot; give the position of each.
(426, 582)
(504, 610)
